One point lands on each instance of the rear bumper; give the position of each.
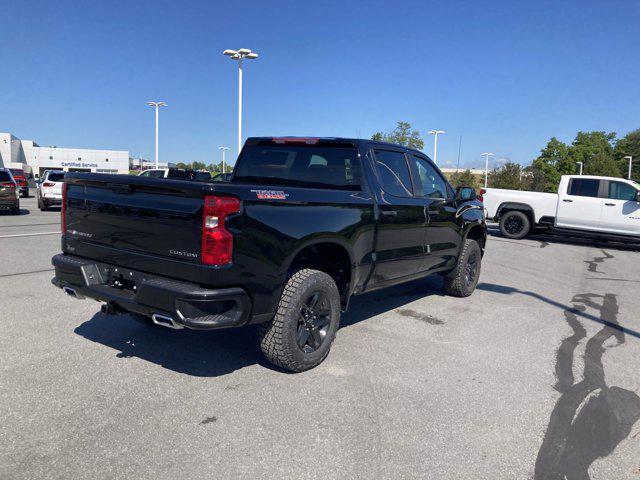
(187, 304)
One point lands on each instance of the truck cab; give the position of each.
(603, 204)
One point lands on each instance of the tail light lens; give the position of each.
(481, 196)
(63, 210)
(48, 184)
(217, 241)
(8, 184)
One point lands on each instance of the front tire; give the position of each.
(300, 335)
(462, 280)
(515, 225)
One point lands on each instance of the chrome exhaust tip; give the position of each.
(72, 293)
(165, 321)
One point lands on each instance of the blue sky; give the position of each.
(505, 75)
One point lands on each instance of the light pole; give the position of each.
(157, 106)
(486, 167)
(239, 55)
(435, 134)
(581, 164)
(224, 149)
(630, 163)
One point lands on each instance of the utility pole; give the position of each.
(435, 134)
(224, 149)
(581, 165)
(157, 106)
(239, 55)
(486, 167)
(630, 158)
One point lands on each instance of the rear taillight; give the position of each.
(481, 196)
(48, 184)
(63, 210)
(8, 184)
(217, 241)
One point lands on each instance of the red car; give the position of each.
(21, 180)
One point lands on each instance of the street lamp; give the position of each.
(156, 105)
(630, 163)
(581, 164)
(435, 134)
(224, 149)
(486, 167)
(239, 55)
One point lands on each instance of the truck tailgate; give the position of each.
(135, 214)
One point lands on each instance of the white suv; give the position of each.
(50, 189)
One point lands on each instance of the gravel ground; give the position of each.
(533, 377)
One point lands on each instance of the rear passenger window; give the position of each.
(584, 187)
(393, 172)
(5, 177)
(621, 191)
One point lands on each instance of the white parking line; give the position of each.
(30, 234)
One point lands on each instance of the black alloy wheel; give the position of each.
(313, 322)
(471, 270)
(514, 225)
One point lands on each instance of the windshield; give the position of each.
(5, 177)
(299, 165)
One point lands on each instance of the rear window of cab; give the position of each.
(330, 167)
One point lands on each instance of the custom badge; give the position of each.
(270, 194)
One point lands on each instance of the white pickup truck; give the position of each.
(584, 206)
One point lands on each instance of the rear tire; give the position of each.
(300, 335)
(462, 280)
(515, 225)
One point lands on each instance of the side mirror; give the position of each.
(466, 194)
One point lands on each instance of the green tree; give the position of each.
(463, 179)
(198, 166)
(402, 135)
(508, 176)
(552, 163)
(181, 165)
(629, 145)
(603, 165)
(596, 148)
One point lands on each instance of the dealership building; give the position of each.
(34, 159)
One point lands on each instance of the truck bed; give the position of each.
(542, 204)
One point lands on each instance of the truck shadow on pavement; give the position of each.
(216, 353)
(546, 239)
(590, 418)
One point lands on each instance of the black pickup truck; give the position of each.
(303, 224)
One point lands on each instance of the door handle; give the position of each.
(568, 200)
(389, 213)
(610, 204)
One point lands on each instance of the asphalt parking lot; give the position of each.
(533, 377)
